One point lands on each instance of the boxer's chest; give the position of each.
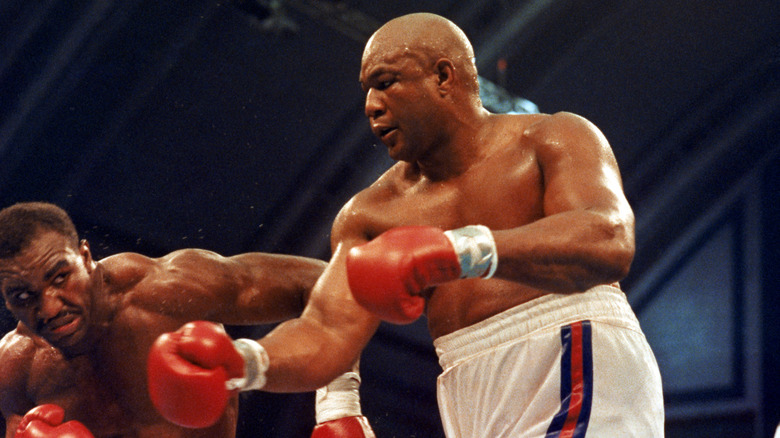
(81, 391)
(498, 196)
(107, 386)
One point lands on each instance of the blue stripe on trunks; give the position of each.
(571, 421)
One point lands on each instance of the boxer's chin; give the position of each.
(72, 339)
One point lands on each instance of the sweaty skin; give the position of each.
(548, 186)
(86, 326)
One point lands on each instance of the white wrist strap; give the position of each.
(341, 398)
(476, 250)
(256, 364)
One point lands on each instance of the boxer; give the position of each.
(75, 366)
(509, 232)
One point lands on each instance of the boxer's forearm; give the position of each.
(251, 288)
(272, 286)
(567, 252)
(305, 356)
(308, 352)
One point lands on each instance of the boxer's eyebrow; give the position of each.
(9, 287)
(53, 270)
(11, 283)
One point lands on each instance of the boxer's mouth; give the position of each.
(382, 131)
(387, 135)
(386, 131)
(61, 326)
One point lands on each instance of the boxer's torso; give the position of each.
(503, 189)
(106, 388)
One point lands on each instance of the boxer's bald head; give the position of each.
(427, 38)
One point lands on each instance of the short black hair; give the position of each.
(20, 223)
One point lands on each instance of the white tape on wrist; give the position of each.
(256, 364)
(476, 250)
(341, 398)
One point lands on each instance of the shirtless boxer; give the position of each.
(521, 294)
(77, 358)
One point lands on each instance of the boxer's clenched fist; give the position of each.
(193, 371)
(45, 421)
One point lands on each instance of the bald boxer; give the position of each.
(509, 232)
(76, 363)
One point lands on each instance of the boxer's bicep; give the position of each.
(335, 309)
(332, 302)
(586, 236)
(190, 283)
(270, 287)
(578, 165)
(308, 352)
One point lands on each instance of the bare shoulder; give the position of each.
(17, 353)
(127, 269)
(389, 183)
(17, 348)
(146, 282)
(356, 217)
(564, 129)
(519, 122)
(563, 119)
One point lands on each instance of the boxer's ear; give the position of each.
(445, 72)
(86, 255)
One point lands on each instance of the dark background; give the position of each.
(238, 126)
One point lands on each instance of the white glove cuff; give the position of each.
(256, 364)
(341, 398)
(476, 250)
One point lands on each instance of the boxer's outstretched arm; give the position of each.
(251, 288)
(300, 355)
(308, 352)
(192, 372)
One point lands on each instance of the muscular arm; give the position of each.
(308, 352)
(250, 288)
(586, 236)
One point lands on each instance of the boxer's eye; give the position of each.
(19, 296)
(60, 278)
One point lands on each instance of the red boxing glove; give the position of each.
(188, 370)
(45, 421)
(347, 427)
(388, 274)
